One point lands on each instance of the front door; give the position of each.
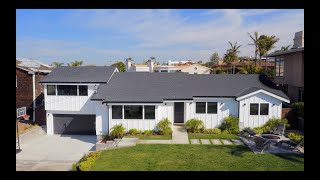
(179, 112)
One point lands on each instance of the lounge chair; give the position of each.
(261, 143)
(291, 144)
(279, 130)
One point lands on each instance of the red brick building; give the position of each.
(29, 92)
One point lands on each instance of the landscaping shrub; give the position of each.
(194, 125)
(295, 137)
(106, 137)
(225, 132)
(231, 124)
(299, 108)
(117, 131)
(139, 132)
(133, 131)
(164, 127)
(270, 124)
(148, 132)
(212, 131)
(85, 163)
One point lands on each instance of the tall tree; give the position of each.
(214, 59)
(255, 39)
(265, 44)
(120, 65)
(75, 63)
(232, 54)
(283, 48)
(249, 68)
(56, 64)
(129, 59)
(153, 59)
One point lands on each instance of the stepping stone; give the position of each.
(216, 141)
(226, 142)
(195, 141)
(237, 141)
(205, 141)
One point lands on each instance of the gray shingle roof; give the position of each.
(285, 52)
(156, 87)
(79, 74)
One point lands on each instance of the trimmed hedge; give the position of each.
(86, 162)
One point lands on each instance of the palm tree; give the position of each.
(255, 43)
(56, 64)
(75, 63)
(232, 54)
(249, 68)
(265, 44)
(129, 59)
(283, 48)
(153, 59)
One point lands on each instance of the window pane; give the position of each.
(254, 109)
(264, 109)
(277, 67)
(200, 107)
(133, 112)
(149, 112)
(281, 71)
(83, 90)
(212, 108)
(116, 112)
(51, 90)
(67, 90)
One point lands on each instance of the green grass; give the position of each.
(212, 136)
(157, 157)
(150, 137)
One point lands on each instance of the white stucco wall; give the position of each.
(102, 117)
(247, 120)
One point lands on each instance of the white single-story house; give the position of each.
(91, 100)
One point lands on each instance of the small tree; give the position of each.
(75, 63)
(164, 127)
(230, 124)
(56, 64)
(120, 65)
(117, 131)
(214, 58)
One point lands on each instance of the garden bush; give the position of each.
(231, 124)
(118, 131)
(86, 162)
(299, 108)
(212, 131)
(148, 132)
(195, 125)
(133, 131)
(270, 124)
(295, 137)
(139, 132)
(164, 127)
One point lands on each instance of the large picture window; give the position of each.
(149, 112)
(132, 112)
(51, 89)
(83, 90)
(279, 67)
(212, 108)
(67, 90)
(254, 109)
(264, 109)
(116, 112)
(200, 107)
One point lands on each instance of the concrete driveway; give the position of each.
(41, 152)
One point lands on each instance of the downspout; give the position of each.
(34, 95)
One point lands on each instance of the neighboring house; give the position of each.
(182, 67)
(29, 93)
(264, 65)
(289, 69)
(141, 100)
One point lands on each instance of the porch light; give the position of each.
(244, 104)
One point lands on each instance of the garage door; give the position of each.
(74, 124)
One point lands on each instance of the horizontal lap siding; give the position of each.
(259, 120)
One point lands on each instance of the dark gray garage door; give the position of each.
(74, 124)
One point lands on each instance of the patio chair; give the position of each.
(279, 130)
(261, 143)
(291, 144)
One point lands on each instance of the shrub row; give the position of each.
(86, 162)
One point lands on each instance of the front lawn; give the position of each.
(212, 136)
(150, 137)
(158, 157)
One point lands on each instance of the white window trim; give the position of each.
(143, 111)
(259, 104)
(206, 107)
(264, 92)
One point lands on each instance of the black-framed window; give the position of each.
(264, 109)
(149, 112)
(116, 112)
(279, 66)
(200, 107)
(83, 90)
(133, 112)
(67, 90)
(51, 89)
(254, 109)
(212, 108)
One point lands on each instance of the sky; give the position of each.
(103, 37)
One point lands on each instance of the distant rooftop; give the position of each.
(33, 65)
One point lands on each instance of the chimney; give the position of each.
(298, 40)
(150, 65)
(169, 62)
(128, 65)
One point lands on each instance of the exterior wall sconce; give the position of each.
(165, 104)
(190, 103)
(244, 104)
(273, 104)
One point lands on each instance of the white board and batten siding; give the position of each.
(247, 120)
(70, 103)
(225, 107)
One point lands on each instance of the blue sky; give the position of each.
(103, 37)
